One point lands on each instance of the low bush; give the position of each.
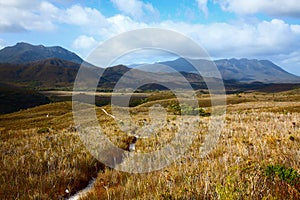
(185, 109)
(288, 175)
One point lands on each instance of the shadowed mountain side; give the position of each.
(44, 74)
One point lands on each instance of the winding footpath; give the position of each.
(83, 192)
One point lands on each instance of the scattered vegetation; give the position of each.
(257, 156)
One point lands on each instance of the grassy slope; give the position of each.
(42, 156)
(52, 158)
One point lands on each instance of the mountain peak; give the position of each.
(24, 52)
(27, 45)
(23, 44)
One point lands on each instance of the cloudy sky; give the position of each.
(262, 29)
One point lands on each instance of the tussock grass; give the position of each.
(256, 136)
(43, 156)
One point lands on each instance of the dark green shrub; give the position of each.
(43, 130)
(288, 175)
(186, 109)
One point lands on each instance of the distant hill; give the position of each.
(242, 70)
(40, 74)
(43, 74)
(254, 70)
(23, 52)
(155, 81)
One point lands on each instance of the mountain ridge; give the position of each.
(241, 70)
(24, 52)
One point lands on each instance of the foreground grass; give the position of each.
(42, 157)
(258, 136)
(45, 162)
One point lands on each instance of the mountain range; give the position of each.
(51, 67)
(241, 70)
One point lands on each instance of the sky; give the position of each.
(254, 29)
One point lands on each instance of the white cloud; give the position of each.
(263, 40)
(48, 9)
(202, 4)
(121, 23)
(34, 15)
(18, 15)
(136, 9)
(79, 15)
(84, 42)
(271, 7)
(243, 40)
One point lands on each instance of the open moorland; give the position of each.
(256, 157)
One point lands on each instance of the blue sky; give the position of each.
(262, 29)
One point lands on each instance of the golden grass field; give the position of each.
(257, 155)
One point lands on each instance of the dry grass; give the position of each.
(42, 156)
(257, 135)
